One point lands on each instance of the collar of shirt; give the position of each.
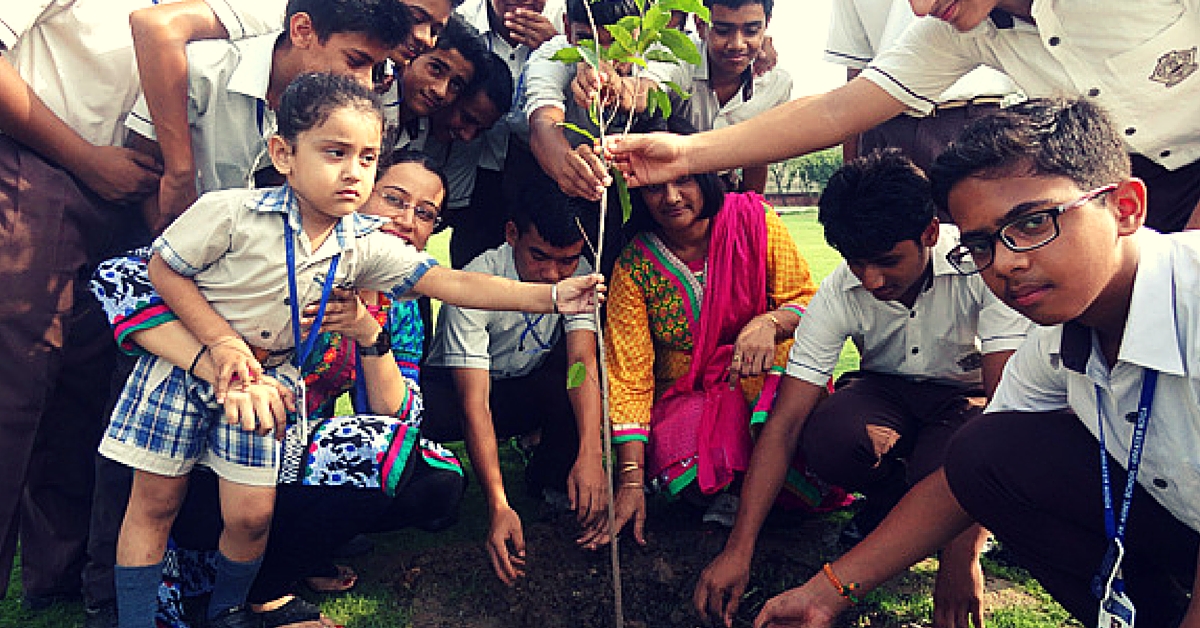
(282, 200)
(1151, 338)
(947, 239)
(252, 76)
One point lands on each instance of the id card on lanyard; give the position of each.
(305, 347)
(1116, 609)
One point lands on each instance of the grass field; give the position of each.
(373, 603)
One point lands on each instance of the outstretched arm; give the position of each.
(574, 295)
(795, 128)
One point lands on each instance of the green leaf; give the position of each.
(683, 47)
(576, 375)
(623, 194)
(568, 55)
(691, 6)
(578, 129)
(660, 55)
(617, 52)
(621, 35)
(631, 23)
(656, 19)
(678, 89)
(664, 103)
(651, 104)
(641, 5)
(588, 48)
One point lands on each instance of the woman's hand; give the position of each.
(346, 313)
(754, 349)
(260, 406)
(630, 505)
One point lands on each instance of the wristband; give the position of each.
(844, 590)
(381, 346)
(554, 296)
(196, 360)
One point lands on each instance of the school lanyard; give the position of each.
(303, 349)
(1114, 527)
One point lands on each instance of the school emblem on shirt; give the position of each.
(1175, 66)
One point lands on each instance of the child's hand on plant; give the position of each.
(235, 362)
(610, 85)
(260, 406)
(579, 295)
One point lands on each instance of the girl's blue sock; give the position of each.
(232, 584)
(137, 594)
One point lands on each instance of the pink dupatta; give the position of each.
(700, 418)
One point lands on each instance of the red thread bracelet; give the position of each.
(844, 590)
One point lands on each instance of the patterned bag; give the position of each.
(363, 451)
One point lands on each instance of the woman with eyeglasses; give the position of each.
(342, 476)
(703, 303)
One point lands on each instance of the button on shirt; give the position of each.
(861, 29)
(1137, 59)
(508, 344)
(705, 111)
(495, 139)
(227, 110)
(952, 322)
(1060, 367)
(231, 243)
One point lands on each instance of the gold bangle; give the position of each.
(632, 485)
(631, 465)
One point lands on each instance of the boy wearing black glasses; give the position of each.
(933, 344)
(1053, 222)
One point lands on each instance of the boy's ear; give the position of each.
(511, 233)
(301, 32)
(1129, 203)
(702, 28)
(929, 237)
(281, 154)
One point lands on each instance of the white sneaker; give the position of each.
(722, 511)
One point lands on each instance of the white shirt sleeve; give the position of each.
(1000, 327)
(1030, 382)
(18, 17)
(249, 18)
(821, 333)
(847, 43)
(547, 82)
(927, 59)
(391, 265)
(203, 233)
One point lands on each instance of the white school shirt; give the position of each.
(228, 115)
(861, 29)
(475, 13)
(548, 84)
(1060, 368)
(249, 18)
(1136, 59)
(508, 344)
(705, 111)
(231, 242)
(953, 322)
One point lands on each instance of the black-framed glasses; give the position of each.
(399, 202)
(1022, 233)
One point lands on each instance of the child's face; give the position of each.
(1073, 275)
(350, 54)
(331, 166)
(412, 197)
(429, 17)
(895, 274)
(433, 80)
(539, 261)
(735, 37)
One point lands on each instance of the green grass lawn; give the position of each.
(374, 604)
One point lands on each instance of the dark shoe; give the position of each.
(236, 617)
(102, 616)
(295, 611)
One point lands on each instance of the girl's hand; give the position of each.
(345, 313)
(754, 349)
(579, 295)
(261, 406)
(234, 361)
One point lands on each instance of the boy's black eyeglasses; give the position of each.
(399, 203)
(1023, 233)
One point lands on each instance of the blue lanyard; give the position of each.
(1114, 528)
(303, 349)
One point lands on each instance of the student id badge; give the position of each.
(1116, 609)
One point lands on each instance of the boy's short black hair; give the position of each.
(406, 156)
(1044, 137)
(873, 203)
(605, 12)
(558, 217)
(310, 98)
(496, 82)
(767, 5)
(384, 21)
(461, 36)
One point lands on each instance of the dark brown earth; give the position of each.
(453, 587)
